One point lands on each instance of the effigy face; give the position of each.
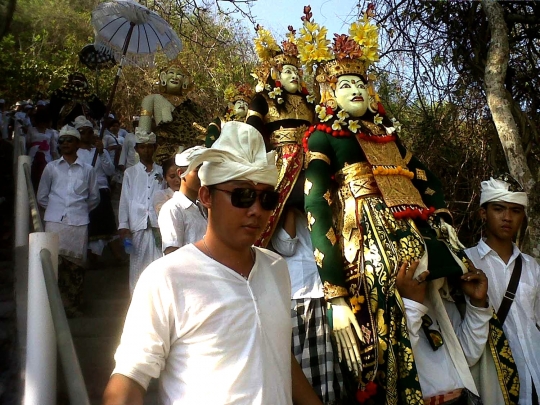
(240, 108)
(173, 80)
(352, 95)
(290, 79)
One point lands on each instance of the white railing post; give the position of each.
(22, 210)
(40, 375)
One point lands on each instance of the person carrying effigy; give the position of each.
(382, 239)
(238, 97)
(282, 113)
(176, 117)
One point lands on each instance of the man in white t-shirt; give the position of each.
(212, 320)
(182, 219)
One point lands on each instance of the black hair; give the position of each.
(167, 164)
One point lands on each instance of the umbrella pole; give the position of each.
(115, 85)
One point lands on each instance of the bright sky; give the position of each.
(277, 15)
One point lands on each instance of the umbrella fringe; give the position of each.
(170, 50)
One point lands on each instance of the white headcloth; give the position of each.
(144, 137)
(185, 157)
(81, 121)
(498, 190)
(69, 130)
(238, 154)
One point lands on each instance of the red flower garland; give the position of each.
(323, 127)
(362, 395)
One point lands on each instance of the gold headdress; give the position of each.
(237, 92)
(272, 57)
(348, 54)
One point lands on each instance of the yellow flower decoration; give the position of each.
(342, 115)
(353, 126)
(336, 126)
(378, 119)
(265, 44)
(313, 45)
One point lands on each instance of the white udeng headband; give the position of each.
(238, 154)
(497, 190)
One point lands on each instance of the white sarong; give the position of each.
(144, 253)
(73, 240)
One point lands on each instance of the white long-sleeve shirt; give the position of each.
(104, 165)
(180, 222)
(137, 197)
(472, 333)
(129, 157)
(298, 253)
(68, 191)
(523, 321)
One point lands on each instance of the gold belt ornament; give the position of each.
(288, 135)
(359, 179)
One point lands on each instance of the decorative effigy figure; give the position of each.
(74, 99)
(281, 112)
(371, 206)
(175, 116)
(238, 98)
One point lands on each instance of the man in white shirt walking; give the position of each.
(68, 191)
(212, 320)
(502, 207)
(102, 227)
(182, 219)
(137, 218)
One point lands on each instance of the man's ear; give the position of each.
(205, 197)
(180, 171)
(483, 213)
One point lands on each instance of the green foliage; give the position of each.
(46, 36)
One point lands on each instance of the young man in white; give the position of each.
(212, 320)
(102, 228)
(68, 191)
(502, 207)
(182, 219)
(136, 215)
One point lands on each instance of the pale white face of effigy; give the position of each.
(352, 95)
(289, 78)
(240, 108)
(174, 80)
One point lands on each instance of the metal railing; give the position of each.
(45, 324)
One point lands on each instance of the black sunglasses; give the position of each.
(66, 139)
(434, 337)
(245, 197)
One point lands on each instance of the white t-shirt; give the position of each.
(180, 222)
(210, 335)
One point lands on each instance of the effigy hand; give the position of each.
(156, 106)
(347, 332)
(449, 232)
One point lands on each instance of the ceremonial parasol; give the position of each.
(95, 59)
(132, 33)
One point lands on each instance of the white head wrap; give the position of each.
(144, 137)
(69, 131)
(81, 122)
(498, 190)
(185, 157)
(238, 154)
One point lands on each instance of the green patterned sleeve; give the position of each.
(212, 132)
(319, 215)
